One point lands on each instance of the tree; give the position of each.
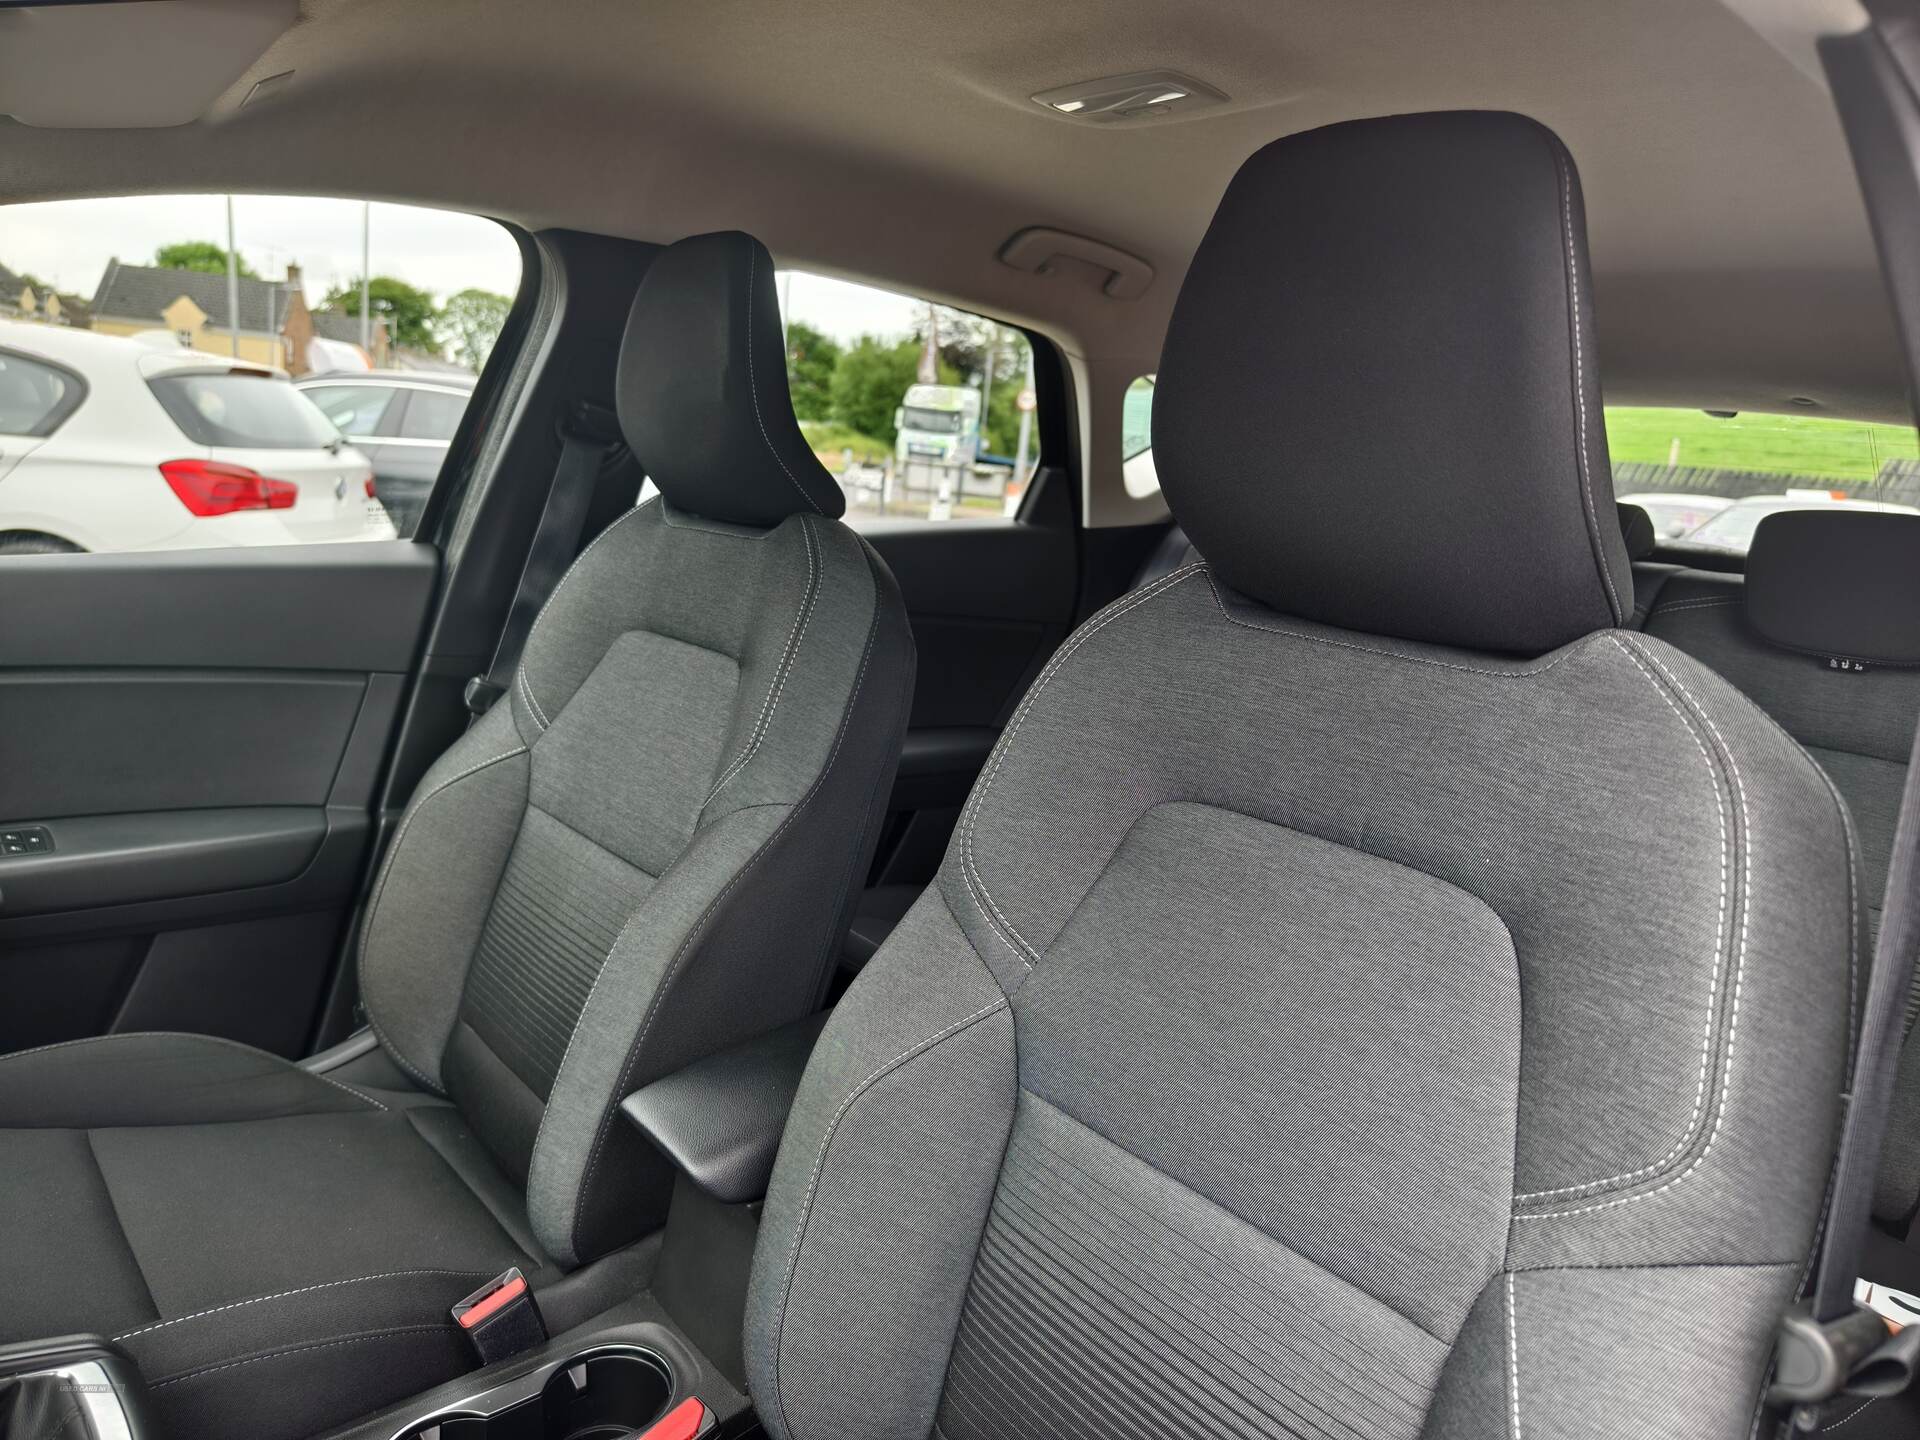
(201, 255)
(471, 320)
(872, 379)
(811, 360)
(408, 310)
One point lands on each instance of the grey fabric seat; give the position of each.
(644, 852)
(1371, 992)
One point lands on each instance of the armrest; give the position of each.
(720, 1119)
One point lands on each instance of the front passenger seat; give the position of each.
(645, 852)
(1370, 991)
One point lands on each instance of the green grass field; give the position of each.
(1803, 445)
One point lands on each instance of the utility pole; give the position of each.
(1026, 423)
(233, 283)
(366, 273)
(986, 384)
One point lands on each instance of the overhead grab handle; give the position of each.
(1036, 249)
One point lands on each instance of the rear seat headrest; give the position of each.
(1378, 405)
(1636, 530)
(1839, 584)
(702, 387)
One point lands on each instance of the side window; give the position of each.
(921, 411)
(432, 415)
(178, 371)
(1136, 439)
(357, 411)
(34, 397)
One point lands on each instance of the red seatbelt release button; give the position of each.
(500, 1317)
(688, 1420)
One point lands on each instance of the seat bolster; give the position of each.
(160, 1079)
(435, 889)
(881, 1190)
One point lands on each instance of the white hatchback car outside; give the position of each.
(112, 444)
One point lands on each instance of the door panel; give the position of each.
(988, 601)
(199, 734)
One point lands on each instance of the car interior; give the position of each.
(1321, 921)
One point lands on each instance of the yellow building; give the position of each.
(135, 299)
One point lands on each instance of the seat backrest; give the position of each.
(1369, 992)
(1824, 634)
(647, 851)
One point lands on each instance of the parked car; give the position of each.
(403, 421)
(1731, 531)
(107, 444)
(1677, 516)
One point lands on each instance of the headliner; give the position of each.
(895, 143)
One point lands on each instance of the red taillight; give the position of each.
(206, 487)
(369, 487)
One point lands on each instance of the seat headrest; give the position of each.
(1378, 407)
(1838, 584)
(702, 387)
(1637, 532)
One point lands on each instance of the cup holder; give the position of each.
(604, 1397)
(601, 1395)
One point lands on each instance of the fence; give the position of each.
(1897, 482)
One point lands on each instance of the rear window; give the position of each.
(1708, 480)
(242, 409)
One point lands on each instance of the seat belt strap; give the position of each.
(588, 435)
(1828, 1344)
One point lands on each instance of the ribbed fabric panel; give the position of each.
(1108, 1300)
(560, 904)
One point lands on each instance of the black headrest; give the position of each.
(1637, 532)
(1377, 406)
(702, 388)
(1837, 583)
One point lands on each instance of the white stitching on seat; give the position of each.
(820, 1161)
(359, 1339)
(1713, 992)
(1513, 1365)
(527, 649)
(534, 711)
(220, 1040)
(1743, 889)
(753, 388)
(1596, 535)
(772, 701)
(970, 871)
(380, 890)
(284, 1294)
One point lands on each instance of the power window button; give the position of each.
(26, 840)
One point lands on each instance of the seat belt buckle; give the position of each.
(500, 1318)
(1861, 1353)
(480, 695)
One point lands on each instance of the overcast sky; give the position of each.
(70, 241)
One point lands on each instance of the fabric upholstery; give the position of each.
(1242, 807)
(241, 1227)
(1318, 1031)
(699, 739)
(1382, 410)
(702, 390)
